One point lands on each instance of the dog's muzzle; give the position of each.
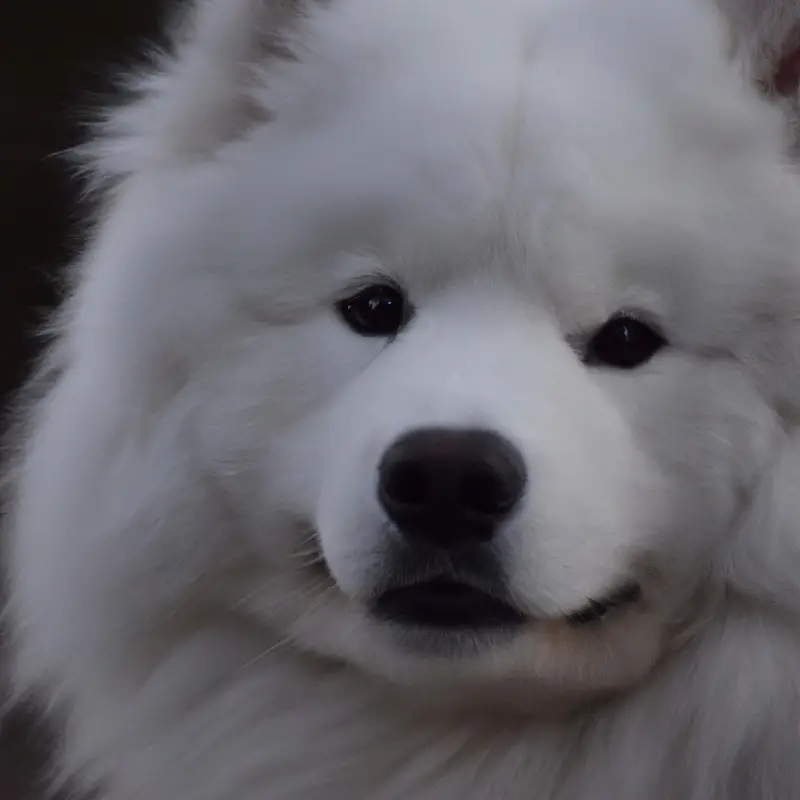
(446, 493)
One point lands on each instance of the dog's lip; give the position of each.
(445, 603)
(624, 595)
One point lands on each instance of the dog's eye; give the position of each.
(623, 342)
(379, 310)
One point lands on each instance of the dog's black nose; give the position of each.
(450, 487)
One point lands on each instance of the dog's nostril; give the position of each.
(406, 484)
(483, 493)
(449, 487)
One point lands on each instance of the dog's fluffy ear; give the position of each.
(765, 38)
(198, 95)
(766, 35)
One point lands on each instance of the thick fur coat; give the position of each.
(587, 218)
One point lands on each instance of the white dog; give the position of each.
(424, 420)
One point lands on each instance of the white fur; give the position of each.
(523, 169)
(764, 34)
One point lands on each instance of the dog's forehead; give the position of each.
(585, 184)
(581, 227)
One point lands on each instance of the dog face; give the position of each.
(509, 419)
(525, 453)
(454, 369)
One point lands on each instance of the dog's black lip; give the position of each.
(445, 603)
(595, 610)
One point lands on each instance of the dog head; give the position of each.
(455, 346)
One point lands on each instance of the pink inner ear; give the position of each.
(786, 77)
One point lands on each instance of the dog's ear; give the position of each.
(765, 34)
(765, 39)
(198, 94)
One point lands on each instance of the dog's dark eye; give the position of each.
(623, 342)
(379, 310)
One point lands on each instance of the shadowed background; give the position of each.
(56, 57)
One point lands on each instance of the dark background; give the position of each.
(56, 57)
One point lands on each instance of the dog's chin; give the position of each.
(507, 662)
(447, 646)
(464, 644)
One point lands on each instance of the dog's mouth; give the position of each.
(448, 604)
(443, 603)
(595, 611)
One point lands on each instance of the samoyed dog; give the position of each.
(424, 420)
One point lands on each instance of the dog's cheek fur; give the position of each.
(109, 477)
(764, 559)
